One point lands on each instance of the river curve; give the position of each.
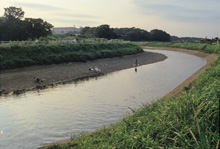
(37, 118)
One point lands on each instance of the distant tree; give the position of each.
(14, 12)
(84, 30)
(13, 27)
(88, 32)
(36, 28)
(159, 35)
(1, 28)
(184, 39)
(133, 34)
(104, 31)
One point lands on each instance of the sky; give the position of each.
(182, 18)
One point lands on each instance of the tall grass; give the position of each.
(209, 48)
(21, 56)
(190, 120)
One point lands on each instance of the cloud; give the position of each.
(177, 10)
(70, 22)
(79, 19)
(39, 6)
(76, 15)
(58, 15)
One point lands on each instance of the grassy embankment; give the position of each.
(189, 120)
(209, 48)
(14, 56)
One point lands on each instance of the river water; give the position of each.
(36, 118)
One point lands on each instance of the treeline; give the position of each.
(129, 34)
(23, 56)
(185, 39)
(14, 27)
(215, 40)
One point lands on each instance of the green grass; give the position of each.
(189, 120)
(27, 55)
(209, 48)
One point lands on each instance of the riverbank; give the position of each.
(22, 79)
(168, 122)
(210, 58)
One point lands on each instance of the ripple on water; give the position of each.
(36, 118)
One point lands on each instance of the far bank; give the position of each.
(22, 79)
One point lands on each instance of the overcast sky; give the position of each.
(191, 18)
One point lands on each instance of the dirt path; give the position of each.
(209, 57)
(22, 79)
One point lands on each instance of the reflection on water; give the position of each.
(36, 118)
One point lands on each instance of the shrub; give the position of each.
(28, 55)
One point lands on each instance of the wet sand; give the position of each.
(22, 79)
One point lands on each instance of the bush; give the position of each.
(28, 55)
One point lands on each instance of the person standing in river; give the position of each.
(136, 62)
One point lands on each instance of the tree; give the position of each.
(88, 32)
(84, 30)
(14, 12)
(104, 31)
(36, 28)
(159, 35)
(133, 34)
(12, 27)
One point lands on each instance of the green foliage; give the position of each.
(14, 12)
(36, 28)
(209, 48)
(136, 34)
(102, 31)
(130, 34)
(190, 120)
(133, 34)
(159, 35)
(13, 28)
(27, 55)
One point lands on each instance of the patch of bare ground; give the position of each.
(22, 79)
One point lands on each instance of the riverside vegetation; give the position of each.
(189, 120)
(13, 56)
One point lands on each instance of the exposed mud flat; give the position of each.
(22, 79)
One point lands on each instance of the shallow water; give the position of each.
(40, 117)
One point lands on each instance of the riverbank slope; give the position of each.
(187, 120)
(210, 58)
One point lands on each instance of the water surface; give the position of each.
(40, 117)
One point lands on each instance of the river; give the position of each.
(36, 118)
